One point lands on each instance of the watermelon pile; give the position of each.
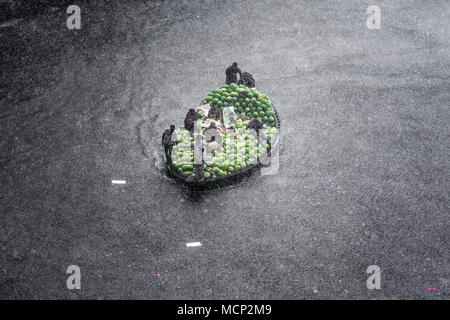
(238, 152)
(253, 105)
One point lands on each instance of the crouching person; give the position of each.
(247, 80)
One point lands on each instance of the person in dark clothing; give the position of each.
(256, 125)
(167, 142)
(247, 80)
(231, 73)
(214, 113)
(212, 125)
(190, 119)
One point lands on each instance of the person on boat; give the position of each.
(256, 125)
(214, 113)
(168, 143)
(190, 119)
(231, 73)
(212, 125)
(247, 80)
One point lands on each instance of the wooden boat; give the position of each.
(221, 181)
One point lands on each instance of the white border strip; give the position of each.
(118, 182)
(193, 244)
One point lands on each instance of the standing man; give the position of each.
(167, 143)
(231, 73)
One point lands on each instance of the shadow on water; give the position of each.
(194, 196)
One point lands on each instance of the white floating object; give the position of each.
(118, 182)
(193, 244)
